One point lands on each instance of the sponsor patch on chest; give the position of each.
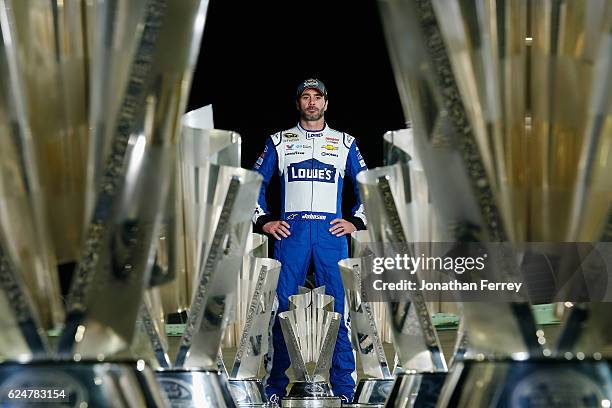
(329, 147)
(311, 170)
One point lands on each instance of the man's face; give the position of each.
(312, 105)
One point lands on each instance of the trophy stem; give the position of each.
(156, 337)
(26, 337)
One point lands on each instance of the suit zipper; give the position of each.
(312, 168)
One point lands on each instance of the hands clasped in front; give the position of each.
(280, 229)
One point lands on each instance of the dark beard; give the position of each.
(311, 118)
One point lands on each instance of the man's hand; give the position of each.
(341, 227)
(277, 229)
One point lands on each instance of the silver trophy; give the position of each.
(508, 106)
(402, 222)
(225, 195)
(257, 282)
(53, 45)
(176, 246)
(310, 328)
(376, 387)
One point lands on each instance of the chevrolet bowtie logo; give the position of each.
(329, 147)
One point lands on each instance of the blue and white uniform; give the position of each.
(312, 166)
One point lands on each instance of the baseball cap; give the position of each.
(311, 83)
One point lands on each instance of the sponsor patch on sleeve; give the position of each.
(360, 157)
(260, 159)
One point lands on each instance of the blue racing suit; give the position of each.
(312, 166)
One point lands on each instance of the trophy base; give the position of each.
(311, 402)
(416, 390)
(248, 393)
(305, 394)
(362, 405)
(199, 388)
(77, 384)
(300, 389)
(542, 382)
(373, 391)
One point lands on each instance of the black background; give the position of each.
(255, 53)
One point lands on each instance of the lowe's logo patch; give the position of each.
(311, 170)
(311, 135)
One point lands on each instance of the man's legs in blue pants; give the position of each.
(327, 272)
(294, 254)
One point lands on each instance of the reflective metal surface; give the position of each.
(150, 340)
(248, 393)
(118, 247)
(262, 276)
(22, 336)
(26, 248)
(521, 384)
(231, 194)
(310, 329)
(311, 402)
(404, 220)
(373, 391)
(364, 333)
(361, 245)
(219, 199)
(23, 331)
(257, 247)
(364, 405)
(386, 200)
(195, 388)
(257, 282)
(310, 389)
(412, 389)
(79, 384)
(457, 169)
(509, 118)
(200, 149)
(53, 39)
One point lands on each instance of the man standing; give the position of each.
(312, 161)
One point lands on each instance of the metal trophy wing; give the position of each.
(117, 253)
